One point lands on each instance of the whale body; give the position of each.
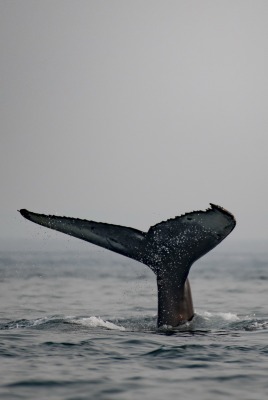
(169, 249)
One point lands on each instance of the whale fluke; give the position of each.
(169, 248)
(120, 239)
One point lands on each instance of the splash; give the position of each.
(203, 321)
(95, 322)
(220, 315)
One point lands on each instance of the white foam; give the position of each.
(225, 316)
(229, 316)
(97, 322)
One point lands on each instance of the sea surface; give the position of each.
(82, 325)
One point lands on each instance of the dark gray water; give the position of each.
(83, 326)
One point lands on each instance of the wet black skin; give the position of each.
(168, 248)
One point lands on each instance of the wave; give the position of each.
(227, 321)
(203, 321)
(91, 322)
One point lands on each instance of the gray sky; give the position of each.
(132, 112)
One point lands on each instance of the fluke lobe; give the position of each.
(169, 248)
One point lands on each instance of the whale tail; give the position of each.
(169, 248)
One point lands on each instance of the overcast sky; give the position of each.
(132, 112)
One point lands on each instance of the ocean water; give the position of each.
(82, 325)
